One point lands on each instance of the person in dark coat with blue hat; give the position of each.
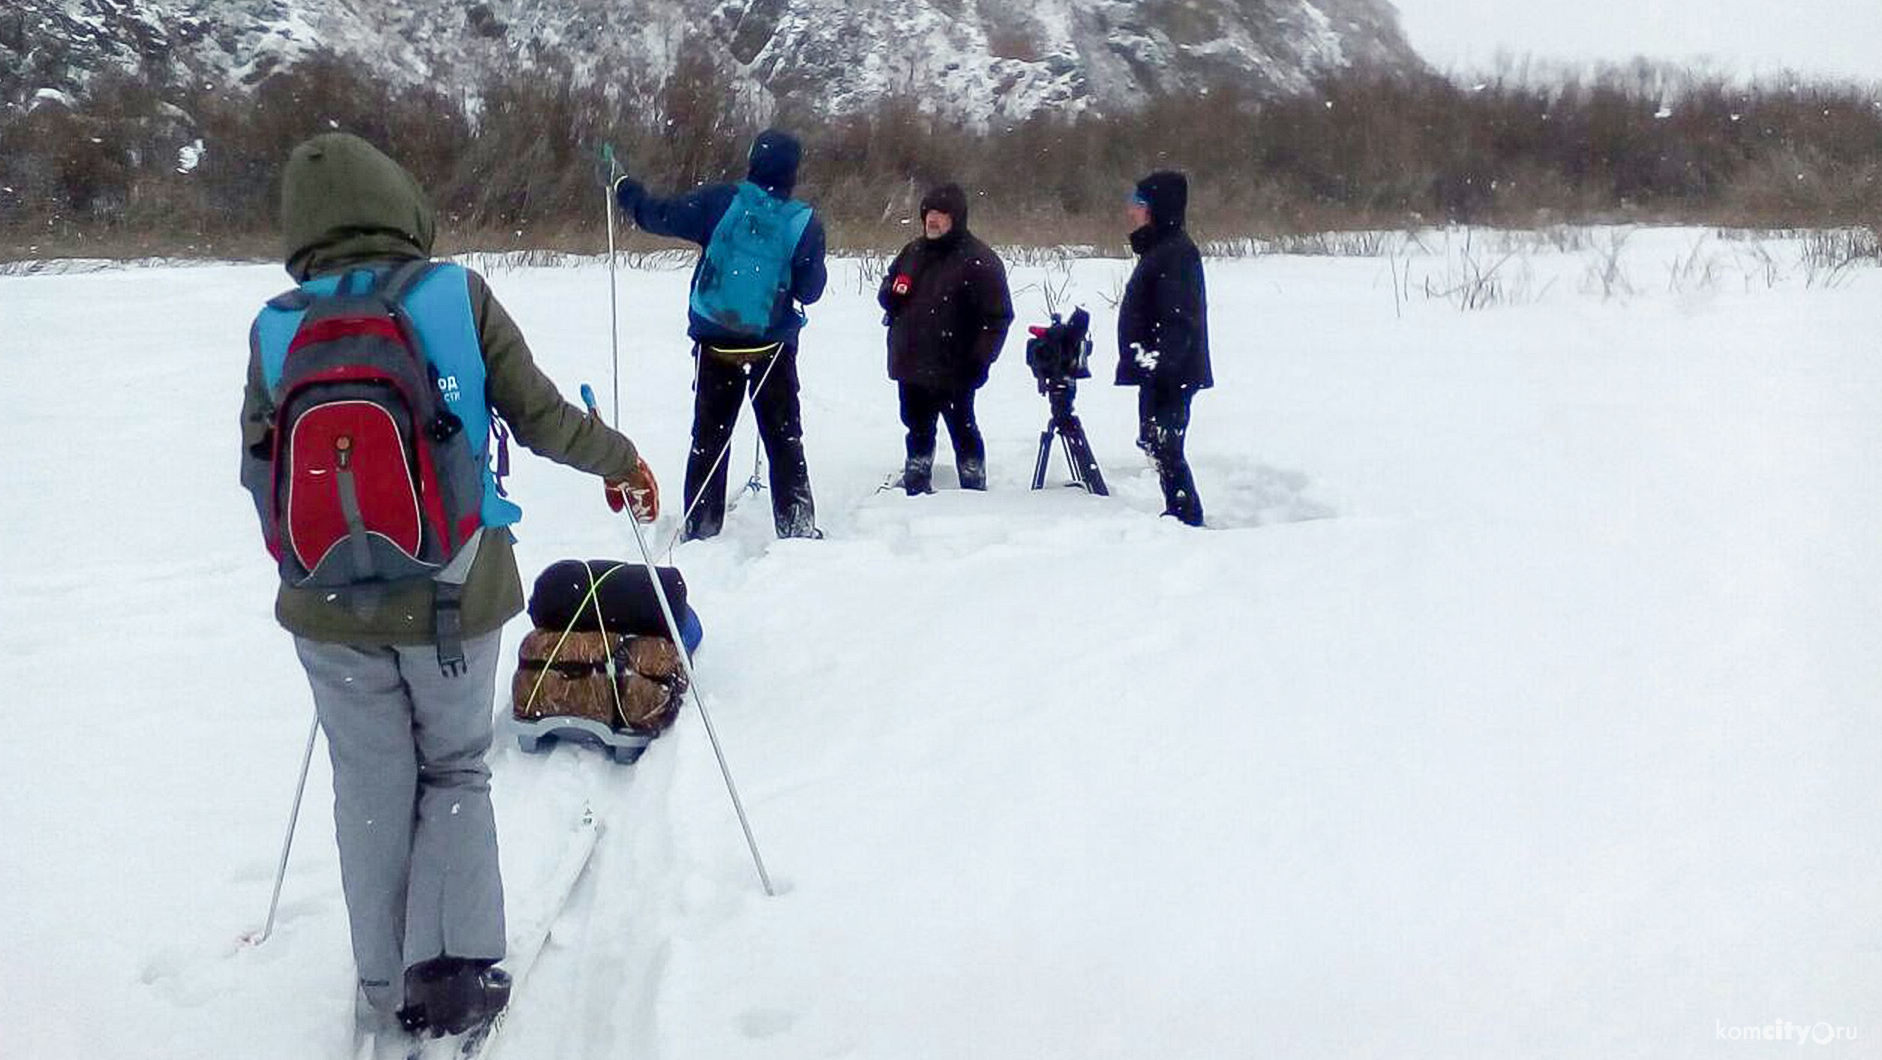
(1163, 335)
(746, 229)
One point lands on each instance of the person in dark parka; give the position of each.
(948, 309)
(730, 363)
(1163, 335)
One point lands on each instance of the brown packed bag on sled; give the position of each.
(572, 680)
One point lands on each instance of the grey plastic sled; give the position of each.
(539, 736)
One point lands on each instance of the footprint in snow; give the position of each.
(766, 1022)
(1237, 493)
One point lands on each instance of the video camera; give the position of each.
(1060, 352)
(1059, 355)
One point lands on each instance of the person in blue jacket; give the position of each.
(762, 262)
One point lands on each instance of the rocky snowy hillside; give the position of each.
(999, 58)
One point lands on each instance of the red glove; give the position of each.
(638, 493)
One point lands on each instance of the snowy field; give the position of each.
(1521, 700)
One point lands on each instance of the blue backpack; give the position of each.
(746, 269)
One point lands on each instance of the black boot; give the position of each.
(451, 995)
(793, 511)
(973, 473)
(918, 474)
(697, 529)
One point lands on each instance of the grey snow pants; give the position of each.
(411, 804)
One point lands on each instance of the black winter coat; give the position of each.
(1163, 322)
(946, 331)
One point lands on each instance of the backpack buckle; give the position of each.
(444, 426)
(448, 624)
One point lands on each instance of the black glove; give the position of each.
(627, 193)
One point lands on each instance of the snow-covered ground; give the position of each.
(1522, 700)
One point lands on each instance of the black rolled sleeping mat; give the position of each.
(625, 597)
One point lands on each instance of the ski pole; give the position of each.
(692, 679)
(614, 316)
(287, 841)
(753, 485)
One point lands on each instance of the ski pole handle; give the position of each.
(605, 167)
(588, 398)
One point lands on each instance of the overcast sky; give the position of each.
(1840, 37)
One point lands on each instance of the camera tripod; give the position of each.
(1071, 434)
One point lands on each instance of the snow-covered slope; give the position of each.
(1520, 703)
(977, 58)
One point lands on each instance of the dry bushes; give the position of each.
(511, 162)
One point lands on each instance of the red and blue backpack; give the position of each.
(379, 459)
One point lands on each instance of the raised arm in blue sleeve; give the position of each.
(808, 275)
(691, 216)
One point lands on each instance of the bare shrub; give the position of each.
(1693, 272)
(670, 260)
(1556, 238)
(1829, 258)
(1055, 286)
(1363, 244)
(1246, 247)
(1472, 283)
(871, 270)
(1758, 265)
(1606, 274)
(51, 267)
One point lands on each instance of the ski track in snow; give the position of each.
(1519, 702)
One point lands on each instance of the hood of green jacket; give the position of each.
(343, 200)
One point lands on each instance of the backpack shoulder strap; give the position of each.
(356, 282)
(797, 215)
(735, 211)
(291, 301)
(403, 277)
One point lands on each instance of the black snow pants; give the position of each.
(1163, 424)
(719, 393)
(921, 407)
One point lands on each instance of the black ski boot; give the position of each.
(918, 475)
(451, 995)
(793, 511)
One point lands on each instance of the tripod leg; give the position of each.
(1078, 450)
(1045, 455)
(1071, 461)
(1094, 478)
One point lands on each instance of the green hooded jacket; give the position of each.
(344, 204)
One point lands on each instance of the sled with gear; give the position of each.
(601, 666)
